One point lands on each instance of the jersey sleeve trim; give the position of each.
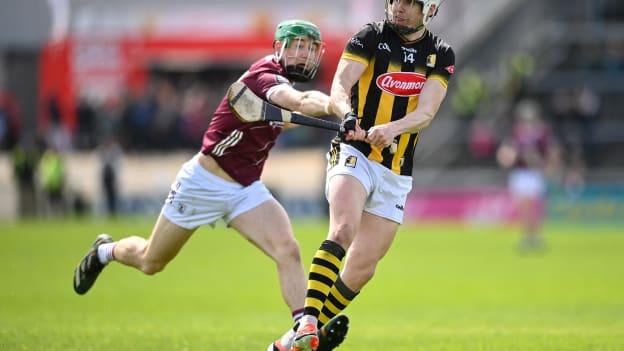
(440, 79)
(274, 88)
(352, 57)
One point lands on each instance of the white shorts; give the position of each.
(387, 191)
(198, 197)
(526, 183)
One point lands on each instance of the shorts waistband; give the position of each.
(204, 173)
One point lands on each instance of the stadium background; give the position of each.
(127, 88)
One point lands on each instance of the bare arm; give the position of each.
(347, 74)
(431, 98)
(310, 103)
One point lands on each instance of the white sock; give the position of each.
(297, 314)
(105, 252)
(287, 339)
(307, 319)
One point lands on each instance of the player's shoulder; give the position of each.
(371, 29)
(266, 64)
(377, 27)
(438, 43)
(264, 74)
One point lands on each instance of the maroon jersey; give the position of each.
(532, 141)
(241, 148)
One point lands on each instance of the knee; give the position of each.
(152, 267)
(343, 234)
(287, 251)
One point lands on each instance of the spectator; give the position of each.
(110, 155)
(24, 159)
(9, 121)
(52, 181)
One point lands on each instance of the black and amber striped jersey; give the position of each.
(389, 88)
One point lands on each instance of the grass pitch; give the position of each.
(441, 287)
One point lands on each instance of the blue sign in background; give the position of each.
(591, 203)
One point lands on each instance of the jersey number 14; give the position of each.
(408, 57)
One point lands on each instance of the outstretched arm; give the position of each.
(310, 103)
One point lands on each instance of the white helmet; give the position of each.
(429, 10)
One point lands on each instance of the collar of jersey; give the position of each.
(414, 41)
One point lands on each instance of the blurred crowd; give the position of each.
(161, 117)
(169, 114)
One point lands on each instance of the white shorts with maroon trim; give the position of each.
(198, 197)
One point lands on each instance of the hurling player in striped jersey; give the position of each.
(390, 81)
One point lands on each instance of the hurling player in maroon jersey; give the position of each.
(528, 152)
(223, 180)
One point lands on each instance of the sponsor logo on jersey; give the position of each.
(351, 161)
(431, 60)
(409, 49)
(401, 83)
(450, 69)
(357, 42)
(384, 46)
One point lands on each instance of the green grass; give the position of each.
(441, 287)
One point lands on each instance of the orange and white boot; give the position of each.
(306, 338)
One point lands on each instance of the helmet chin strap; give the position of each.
(404, 30)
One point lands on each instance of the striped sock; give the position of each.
(105, 252)
(323, 272)
(340, 296)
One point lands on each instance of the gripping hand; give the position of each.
(348, 125)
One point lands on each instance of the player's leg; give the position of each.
(379, 224)
(346, 196)
(191, 203)
(529, 208)
(374, 238)
(527, 187)
(152, 255)
(369, 247)
(149, 256)
(267, 227)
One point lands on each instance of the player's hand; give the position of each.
(380, 136)
(350, 128)
(506, 156)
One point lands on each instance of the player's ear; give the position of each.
(278, 49)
